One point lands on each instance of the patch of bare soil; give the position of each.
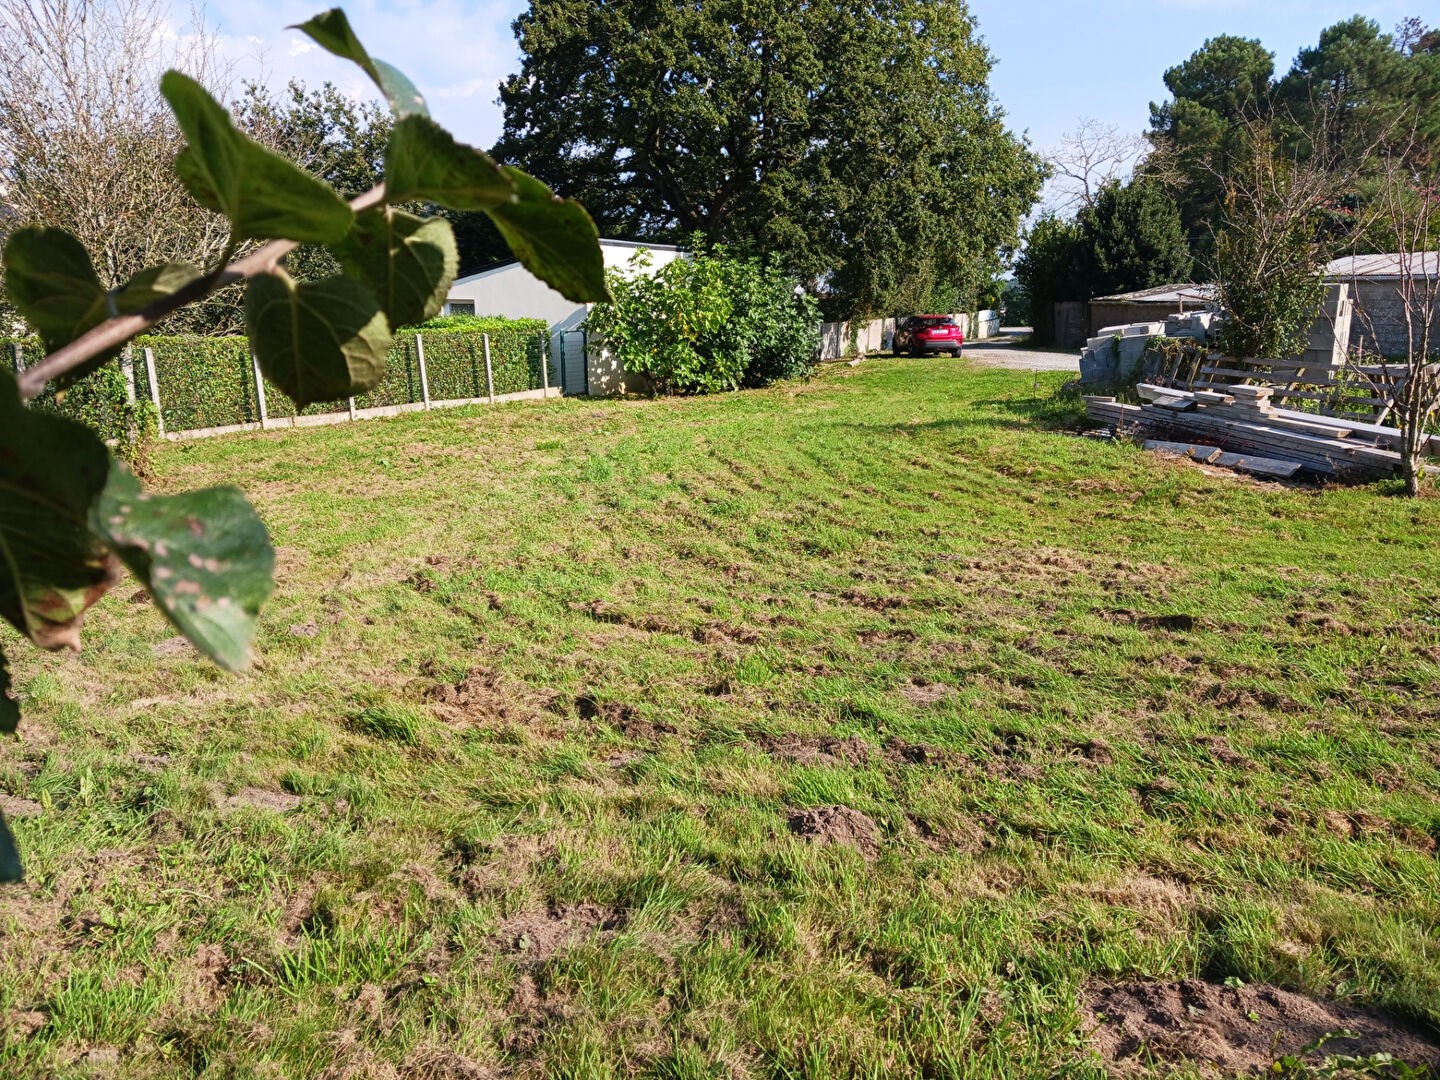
(921, 692)
(483, 694)
(838, 825)
(624, 718)
(825, 750)
(1221, 750)
(305, 630)
(440, 1063)
(1235, 1030)
(607, 613)
(15, 807)
(200, 981)
(538, 935)
(900, 752)
(724, 634)
(282, 802)
(870, 602)
(175, 646)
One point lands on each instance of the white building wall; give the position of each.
(512, 291)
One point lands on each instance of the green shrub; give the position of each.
(100, 401)
(707, 323)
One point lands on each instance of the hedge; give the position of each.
(99, 401)
(209, 381)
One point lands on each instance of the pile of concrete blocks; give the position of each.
(1196, 325)
(1114, 354)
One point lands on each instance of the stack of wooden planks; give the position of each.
(1242, 421)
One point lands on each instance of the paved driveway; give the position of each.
(1002, 351)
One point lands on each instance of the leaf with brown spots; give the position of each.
(51, 567)
(204, 556)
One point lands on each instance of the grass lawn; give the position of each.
(854, 728)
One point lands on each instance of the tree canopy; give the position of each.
(860, 142)
(1356, 90)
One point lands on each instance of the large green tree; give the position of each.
(1224, 83)
(1356, 97)
(859, 141)
(1132, 238)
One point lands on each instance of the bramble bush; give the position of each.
(707, 323)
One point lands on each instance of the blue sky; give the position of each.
(1056, 61)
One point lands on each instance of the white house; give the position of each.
(512, 291)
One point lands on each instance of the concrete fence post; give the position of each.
(544, 340)
(351, 403)
(17, 354)
(489, 371)
(127, 368)
(259, 392)
(424, 378)
(154, 391)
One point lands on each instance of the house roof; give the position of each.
(1164, 294)
(605, 242)
(1383, 267)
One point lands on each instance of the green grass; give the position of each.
(522, 802)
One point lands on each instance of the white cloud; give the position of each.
(457, 53)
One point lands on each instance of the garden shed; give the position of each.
(512, 291)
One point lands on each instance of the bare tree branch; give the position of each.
(1088, 158)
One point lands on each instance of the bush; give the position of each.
(100, 401)
(707, 323)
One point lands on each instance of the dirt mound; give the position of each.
(825, 750)
(838, 825)
(1240, 1029)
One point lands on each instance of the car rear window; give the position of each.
(928, 323)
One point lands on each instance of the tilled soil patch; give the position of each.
(1230, 1030)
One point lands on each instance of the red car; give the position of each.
(921, 334)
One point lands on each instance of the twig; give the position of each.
(122, 328)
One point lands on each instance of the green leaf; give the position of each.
(52, 283)
(316, 340)
(9, 707)
(554, 238)
(265, 196)
(51, 568)
(424, 162)
(10, 869)
(408, 261)
(331, 31)
(152, 284)
(204, 555)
